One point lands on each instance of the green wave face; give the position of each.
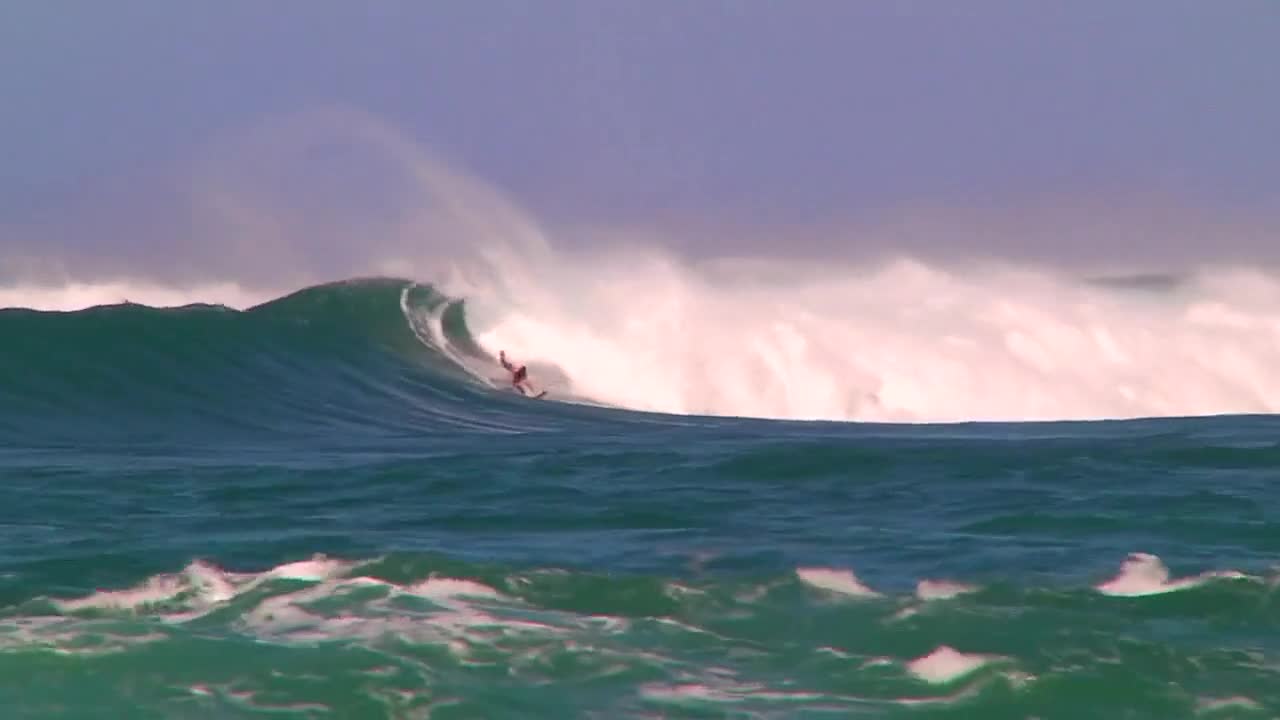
(335, 354)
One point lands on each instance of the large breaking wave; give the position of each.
(904, 342)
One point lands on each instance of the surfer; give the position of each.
(519, 375)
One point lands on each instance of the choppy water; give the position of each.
(328, 506)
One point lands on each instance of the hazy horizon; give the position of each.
(1092, 133)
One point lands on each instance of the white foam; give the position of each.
(67, 636)
(607, 624)
(212, 583)
(154, 590)
(723, 692)
(280, 615)
(437, 588)
(247, 700)
(906, 612)
(677, 591)
(1214, 705)
(942, 589)
(686, 627)
(317, 568)
(905, 341)
(297, 616)
(834, 580)
(945, 664)
(1145, 574)
(684, 692)
(199, 587)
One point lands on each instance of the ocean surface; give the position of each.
(330, 505)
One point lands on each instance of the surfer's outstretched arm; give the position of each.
(519, 375)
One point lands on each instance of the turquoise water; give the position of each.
(320, 508)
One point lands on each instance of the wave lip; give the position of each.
(1145, 574)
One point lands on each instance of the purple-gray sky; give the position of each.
(746, 111)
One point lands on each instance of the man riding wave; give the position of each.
(519, 375)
